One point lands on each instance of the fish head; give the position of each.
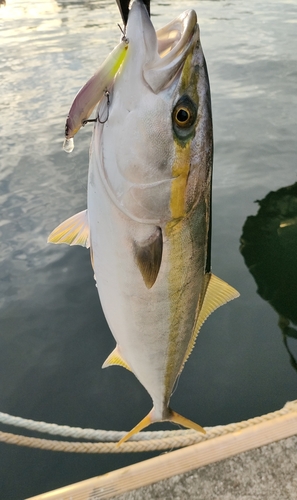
(156, 146)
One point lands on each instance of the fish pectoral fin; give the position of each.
(148, 257)
(115, 358)
(217, 293)
(171, 416)
(73, 231)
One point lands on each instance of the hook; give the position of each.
(106, 93)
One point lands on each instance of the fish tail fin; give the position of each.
(145, 422)
(176, 418)
(171, 416)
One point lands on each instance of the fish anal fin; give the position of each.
(115, 358)
(73, 231)
(185, 422)
(217, 293)
(148, 257)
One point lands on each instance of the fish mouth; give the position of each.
(162, 52)
(175, 37)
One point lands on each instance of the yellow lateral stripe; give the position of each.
(180, 172)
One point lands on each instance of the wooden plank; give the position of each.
(177, 462)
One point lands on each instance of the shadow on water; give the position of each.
(269, 249)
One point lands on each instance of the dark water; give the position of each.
(53, 337)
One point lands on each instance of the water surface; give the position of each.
(53, 336)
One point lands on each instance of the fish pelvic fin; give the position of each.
(217, 293)
(171, 416)
(73, 231)
(115, 358)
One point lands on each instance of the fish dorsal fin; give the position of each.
(73, 231)
(115, 358)
(217, 293)
(148, 257)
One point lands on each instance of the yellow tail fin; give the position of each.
(185, 422)
(145, 422)
(171, 416)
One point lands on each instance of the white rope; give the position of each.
(79, 433)
(146, 441)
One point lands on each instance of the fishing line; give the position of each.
(123, 31)
(176, 384)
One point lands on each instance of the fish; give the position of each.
(148, 216)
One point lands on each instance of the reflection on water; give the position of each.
(269, 248)
(53, 336)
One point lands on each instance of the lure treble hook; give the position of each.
(107, 94)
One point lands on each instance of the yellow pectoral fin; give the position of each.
(73, 231)
(217, 293)
(115, 358)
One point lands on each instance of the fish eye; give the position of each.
(182, 117)
(184, 113)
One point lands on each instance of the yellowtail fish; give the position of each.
(149, 207)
